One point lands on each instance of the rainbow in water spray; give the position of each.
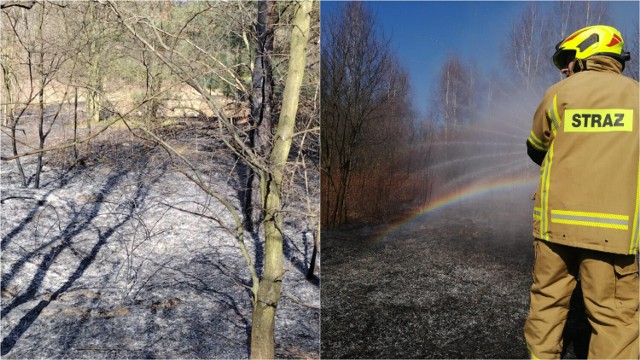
(469, 192)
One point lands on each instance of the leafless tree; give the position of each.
(11, 91)
(571, 16)
(354, 60)
(454, 104)
(454, 95)
(537, 31)
(261, 100)
(528, 52)
(380, 163)
(271, 166)
(33, 44)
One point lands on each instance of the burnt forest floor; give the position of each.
(451, 284)
(108, 260)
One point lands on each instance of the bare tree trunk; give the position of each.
(7, 73)
(10, 98)
(154, 72)
(94, 98)
(154, 85)
(341, 215)
(41, 135)
(14, 145)
(261, 108)
(264, 311)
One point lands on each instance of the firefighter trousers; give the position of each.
(610, 292)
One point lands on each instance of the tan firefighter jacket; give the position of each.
(585, 132)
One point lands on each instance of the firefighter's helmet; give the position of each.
(589, 41)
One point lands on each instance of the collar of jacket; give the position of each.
(603, 63)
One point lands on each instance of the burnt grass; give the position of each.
(108, 259)
(451, 284)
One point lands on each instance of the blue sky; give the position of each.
(422, 33)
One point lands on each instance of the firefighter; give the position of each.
(585, 218)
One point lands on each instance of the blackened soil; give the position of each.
(454, 284)
(108, 260)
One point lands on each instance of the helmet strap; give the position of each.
(624, 57)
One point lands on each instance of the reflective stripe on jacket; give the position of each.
(587, 129)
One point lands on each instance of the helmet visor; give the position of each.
(562, 58)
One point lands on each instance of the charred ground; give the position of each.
(452, 284)
(107, 260)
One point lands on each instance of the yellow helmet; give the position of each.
(589, 41)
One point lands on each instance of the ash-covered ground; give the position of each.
(107, 260)
(451, 284)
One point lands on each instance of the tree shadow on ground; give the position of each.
(209, 286)
(81, 221)
(251, 224)
(6, 240)
(303, 261)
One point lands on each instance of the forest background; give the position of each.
(422, 99)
